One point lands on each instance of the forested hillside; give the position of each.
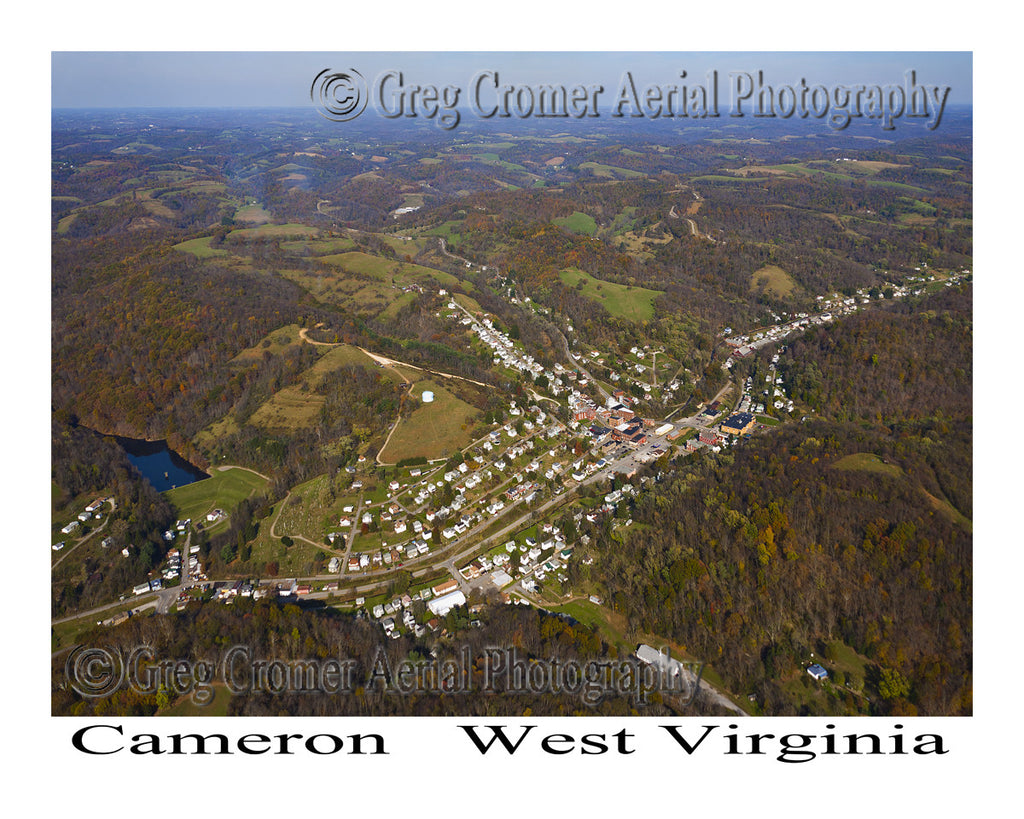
(851, 528)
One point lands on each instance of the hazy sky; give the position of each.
(83, 79)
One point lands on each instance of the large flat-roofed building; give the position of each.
(739, 423)
(440, 606)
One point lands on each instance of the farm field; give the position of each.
(298, 406)
(201, 248)
(837, 172)
(446, 229)
(610, 171)
(868, 462)
(286, 231)
(368, 297)
(470, 304)
(274, 343)
(387, 269)
(577, 223)
(411, 246)
(434, 430)
(342, 355)
(317, 247)
(609, 625)
(289, 409)
(252, 214)
(774, 279)
(634, 303)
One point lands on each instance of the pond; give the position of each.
(159, 464)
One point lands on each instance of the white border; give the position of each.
(431, 771)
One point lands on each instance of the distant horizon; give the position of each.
(308, 108)
(281, 79)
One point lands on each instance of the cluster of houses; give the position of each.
(472, 473)
(381, 557)
(504, 349)
(91, 513)
(774, 392)
(536, 560)
(240, 588)
(505, 352)
(830, 307)
(439, 600)
(147, 586)
(180, 527)
(193, 569)
(636, 373)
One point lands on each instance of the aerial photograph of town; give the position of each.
(578, 388)
(501, 386)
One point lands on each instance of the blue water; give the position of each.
(159, 465)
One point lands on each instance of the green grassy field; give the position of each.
(634, 303)
(395, 308)
(434, 430)
(868, 462)
(297, 406)
(404, 247)
(154, 206)
(840, 657)
(577, 223)
(70, 632)
(598, 617)
(206, 186)
(493, 159)
(610, 171)
(287, 231)
(718, 177)
(201, 247)
(364, 297)
(950, 511)
(623, 221)
(191, 705)
(450, 230)
(836, 172)
(252, 214)
(387, 269)
(224, 489)
(335, 358)
(470, 304)
(485, 146)
(297, 559)
(317, 247)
